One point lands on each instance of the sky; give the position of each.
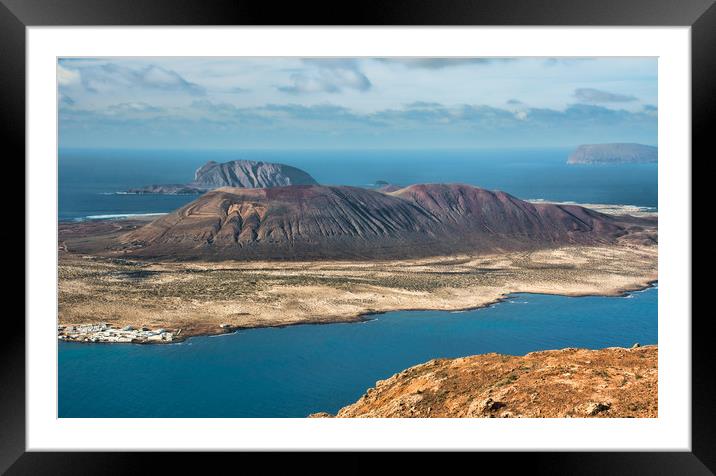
(354, 103)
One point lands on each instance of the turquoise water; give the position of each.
(88, 179)
(298, 370)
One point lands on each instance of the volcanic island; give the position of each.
(259, 252)
(240, 257)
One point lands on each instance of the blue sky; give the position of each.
(349, 103)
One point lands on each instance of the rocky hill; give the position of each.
(249, 174)
(577, 383)
(614, 154)
(237, 173)
(320, 222)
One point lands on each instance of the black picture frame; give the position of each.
(16, 15)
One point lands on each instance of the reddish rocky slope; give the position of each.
(312, 221)
(576, 383)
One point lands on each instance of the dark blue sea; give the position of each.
(89, 179)
(298, 370)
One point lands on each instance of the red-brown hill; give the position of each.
(322, 222)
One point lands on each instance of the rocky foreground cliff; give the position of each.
(320, 222)
(578, 383)
(236, 173)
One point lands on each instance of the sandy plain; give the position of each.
(211, 298)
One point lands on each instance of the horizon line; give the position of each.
(330, 149)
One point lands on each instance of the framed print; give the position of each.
(416, 228)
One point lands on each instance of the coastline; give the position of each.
(606, 208)
(613, 382)
(196, 298)
(362, 316)
(500, 300)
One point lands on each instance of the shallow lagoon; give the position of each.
(298, 370)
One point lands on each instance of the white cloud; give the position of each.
(162, 78)
(440, 63)
(328, 76)
(114, 77)
(67, 77)
(284, 95)
(591, 95)
(132, 108)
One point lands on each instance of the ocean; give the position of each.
(297, 370)
(90, 179)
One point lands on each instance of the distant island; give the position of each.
(236, 173)
(617, 153)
